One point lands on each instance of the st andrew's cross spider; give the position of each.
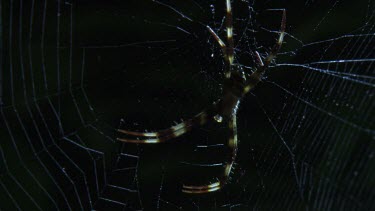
(236, 85)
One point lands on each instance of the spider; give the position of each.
(236, 85)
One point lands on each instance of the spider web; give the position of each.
(74, 71)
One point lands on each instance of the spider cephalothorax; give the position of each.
(233, 90)
(237, 84)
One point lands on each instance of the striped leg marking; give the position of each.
(229, 26)
(275, 49)
(166, 134)
(233, 146)
(228, 51)
(256, 76)
(221, 43)
(201, 189)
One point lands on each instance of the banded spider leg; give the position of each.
(236, 86)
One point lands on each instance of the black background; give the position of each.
(84, 68)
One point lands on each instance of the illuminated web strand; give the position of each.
(335, 74)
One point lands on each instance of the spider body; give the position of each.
(237, 84)
(233, 91)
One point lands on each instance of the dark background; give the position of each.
(72, 72)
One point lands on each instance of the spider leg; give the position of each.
(201, 189)
(166, 134)
(221, 43)
(228, 51)
(232, 144)
(255, 77)
(229, 26)
(279, 42)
